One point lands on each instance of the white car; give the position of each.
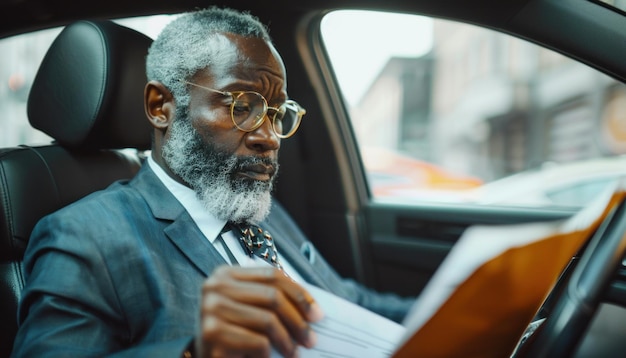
(563, 185)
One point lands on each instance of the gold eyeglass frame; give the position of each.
(236, 94)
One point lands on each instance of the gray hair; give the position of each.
(192, 42)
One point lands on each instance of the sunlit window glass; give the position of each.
(449, 112)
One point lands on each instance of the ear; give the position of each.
(159, 105)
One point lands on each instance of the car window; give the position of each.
(22, 55)
(441, 108)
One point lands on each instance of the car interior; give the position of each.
(107, 80)
(87, 96)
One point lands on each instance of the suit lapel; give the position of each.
(183, 231)
(187, 237)
(301, 254)
(309, 271)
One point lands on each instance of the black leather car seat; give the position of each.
(88, 96)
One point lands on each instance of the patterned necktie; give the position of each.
(256, 241)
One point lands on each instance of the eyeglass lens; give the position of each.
(249, 108)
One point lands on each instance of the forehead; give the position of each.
(247, 59)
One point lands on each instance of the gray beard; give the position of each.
(210, 172)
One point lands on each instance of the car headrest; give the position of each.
(88, 91)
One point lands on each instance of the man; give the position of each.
(145, 264)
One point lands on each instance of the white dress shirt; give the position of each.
(211, 227)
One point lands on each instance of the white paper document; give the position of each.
(350, 331)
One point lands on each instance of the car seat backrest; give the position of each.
(88, 96)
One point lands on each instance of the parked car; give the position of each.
(554, 185)
(481, 88)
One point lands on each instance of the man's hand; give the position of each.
(247, 311)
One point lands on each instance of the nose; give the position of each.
(263, 138)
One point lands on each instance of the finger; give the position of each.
(270, 298)
(304, 302)
(217, 310)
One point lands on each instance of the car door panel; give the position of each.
(408, 243)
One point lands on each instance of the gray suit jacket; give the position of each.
(119, 273)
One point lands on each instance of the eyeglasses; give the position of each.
(248, 110)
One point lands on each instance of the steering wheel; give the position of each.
(580, 292)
